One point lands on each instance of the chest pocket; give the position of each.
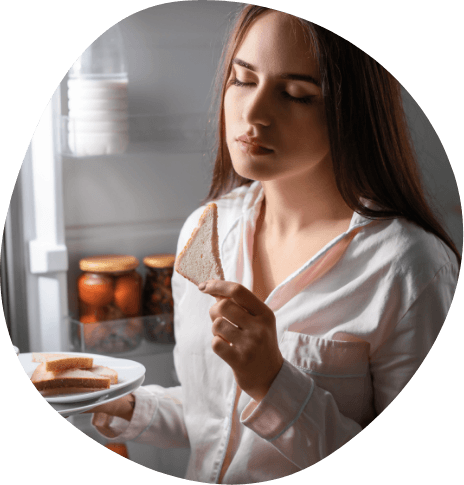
(339, 367)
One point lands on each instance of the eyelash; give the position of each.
(305, 100)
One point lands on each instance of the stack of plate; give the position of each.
(131, 375)
(98, 116)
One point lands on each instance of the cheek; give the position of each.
(227, 118)
(231, 110)
(309, 134)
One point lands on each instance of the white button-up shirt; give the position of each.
(354, 323)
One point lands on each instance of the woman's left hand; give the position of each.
(245, 336)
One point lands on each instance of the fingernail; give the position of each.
(202, 286)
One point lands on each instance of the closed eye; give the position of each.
(237, 82)
(293, 99)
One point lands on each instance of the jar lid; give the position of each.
(159, 260)
(111, 263)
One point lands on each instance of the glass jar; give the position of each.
(157, 298)
(110, 290)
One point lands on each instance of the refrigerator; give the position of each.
(66, 207)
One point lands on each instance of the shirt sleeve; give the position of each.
(299, 418)
(303, 421)
(157, 419)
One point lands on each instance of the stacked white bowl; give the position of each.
(98, 115)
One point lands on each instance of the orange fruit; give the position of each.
(93, 331)
(88, 319)
(91, 314)
(127, 294)
(95, 289)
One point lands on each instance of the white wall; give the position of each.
(439, 179)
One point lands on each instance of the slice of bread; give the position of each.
(102, 371)
(61, 362)
(199, 261)
(43, 379)
(64, 391)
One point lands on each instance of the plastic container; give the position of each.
(97, 98)
(157, 297)
(123, 337)
(110, 289)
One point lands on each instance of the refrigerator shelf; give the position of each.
(128, 338)
(175, 133)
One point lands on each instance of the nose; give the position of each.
(258, 107)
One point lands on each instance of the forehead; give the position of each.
(276, 42)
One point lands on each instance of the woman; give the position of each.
(338, 276)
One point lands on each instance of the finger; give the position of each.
(223, 349)
(226, 330)
(241, 295)
(97, 409)
(228, 309)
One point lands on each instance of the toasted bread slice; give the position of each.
(102, 371)
(199, 260)
(98, 370)
(43, 379)
(64, 391)
(61, 362)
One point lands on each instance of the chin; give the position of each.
(257, 175)
(261, 174)
(252, 168)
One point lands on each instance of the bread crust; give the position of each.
(79, 378)
(67, 374)
(214, 245)
(103, 371)
(61, 362)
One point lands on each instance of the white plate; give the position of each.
(128, 373)
(71, 409)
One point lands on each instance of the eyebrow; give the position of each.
(294, 77)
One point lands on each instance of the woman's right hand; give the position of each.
(121, 408)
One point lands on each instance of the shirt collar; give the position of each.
(255, 195)
(311, 270)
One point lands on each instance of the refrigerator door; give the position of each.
(35, 250)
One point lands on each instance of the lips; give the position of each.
(253, 145)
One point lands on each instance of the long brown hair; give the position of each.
(371, 148)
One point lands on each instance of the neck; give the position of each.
(297, 203)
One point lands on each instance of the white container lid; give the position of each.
(93, 144)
